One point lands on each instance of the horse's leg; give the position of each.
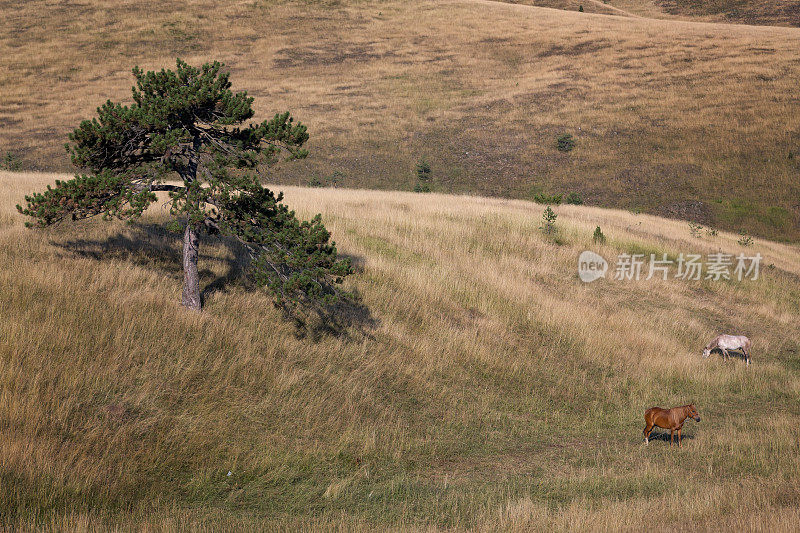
(746, 355)
(725, 354)
(647, 430)
(680, 443)
(670, 436)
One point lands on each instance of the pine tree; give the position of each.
(598, 236)
(548, 220)
(184, 135)
(423, 171)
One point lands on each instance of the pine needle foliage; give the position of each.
(185, 134)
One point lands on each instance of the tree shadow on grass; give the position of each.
(346, 316)
(341, 319)
(151, 245)
(154, 246)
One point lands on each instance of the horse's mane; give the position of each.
(713, 343)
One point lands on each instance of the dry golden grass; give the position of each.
(694, 120)
(493, 390)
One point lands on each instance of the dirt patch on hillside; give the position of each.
(694, 210)
(325, 55)
(585, 47)
(767, 13)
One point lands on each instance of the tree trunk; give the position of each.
(191, 278)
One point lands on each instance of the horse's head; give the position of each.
(692, 412)
(706, 352)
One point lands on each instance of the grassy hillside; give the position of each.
(682, 119)
(484, 387)
(757, 12)
(766, 12)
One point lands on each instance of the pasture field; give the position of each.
(478, 385)
(670, 117)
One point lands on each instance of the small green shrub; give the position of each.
(10, 162)
(424, 175)
(541, 198)
(548, 220)
(745, 239)
(574, 199)
(424, 170)
(711, 232)
(695, 229)
(315, 182)
(565, 142)
(598, 236)
(580, 8)
(335, 178)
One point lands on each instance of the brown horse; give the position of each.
(671, 419)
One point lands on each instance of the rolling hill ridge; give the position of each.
(692, 120)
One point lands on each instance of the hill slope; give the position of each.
(485, 386)
(682, 119)
(758, 12)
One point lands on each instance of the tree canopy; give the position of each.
(185, 135)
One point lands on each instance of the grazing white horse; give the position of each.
(729, 342)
